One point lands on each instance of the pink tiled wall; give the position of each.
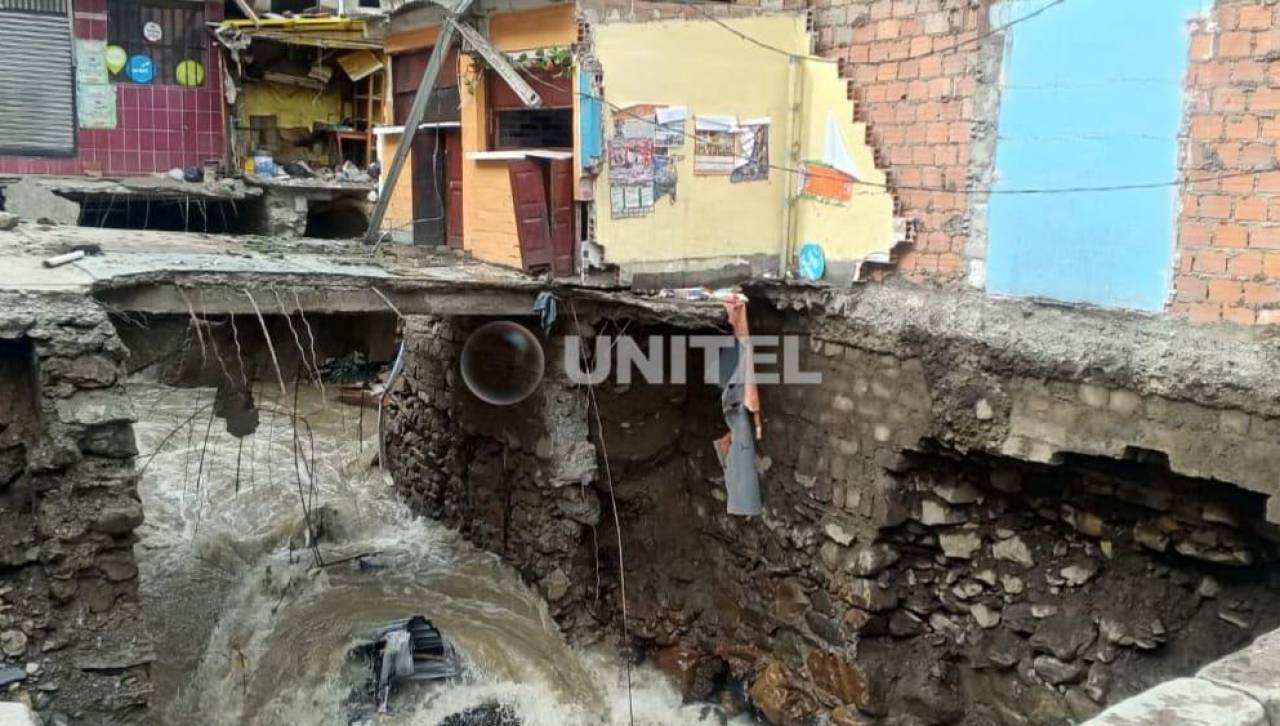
(158, 127)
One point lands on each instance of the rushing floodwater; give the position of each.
(248, 630)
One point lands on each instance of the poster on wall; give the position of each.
(752, 160)
(714, 145)
(91, 61)
(96, 106)
(637, 121)
(824, 183)
(95, 96)
(669, 130)
(630, 176)
(664, 174)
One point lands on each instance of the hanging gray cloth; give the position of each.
(741, 479)
(545, 306)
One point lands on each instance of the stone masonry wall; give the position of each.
(933, 546)
(72, 641)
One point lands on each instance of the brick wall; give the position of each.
(914, 67)
(159, 126)
(1229, 226)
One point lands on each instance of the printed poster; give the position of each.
(637, 121)
(826, 184)
(715, 145)
(664, 174)
(630, 161)
(669, 130)
(95, 96)
(752, 162)
(630, 176)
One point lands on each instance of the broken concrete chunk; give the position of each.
(7, 222)
(987, 617)
(932, 513)
(1186, 702)
(959, 545)
(871, 560)
(1254, 670)
(30, 199)
(13, 643)
(1011, 584)
(1079, 573)
(1064, 636)
(1208, 588)
(1057, 672)
(868, 595)
(838, 534)
(1013, 550)
(903, 624)
(957, 492)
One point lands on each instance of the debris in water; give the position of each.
(486, 714)
(397, 652)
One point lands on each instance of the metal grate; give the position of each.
(182, 28)
(37, 115)
(37, 7)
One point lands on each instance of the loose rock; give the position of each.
(1013, 550)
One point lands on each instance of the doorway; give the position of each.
(437, 148)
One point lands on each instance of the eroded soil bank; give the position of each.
(952, 533)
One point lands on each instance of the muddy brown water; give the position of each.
(249, 631)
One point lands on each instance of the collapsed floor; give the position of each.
(931, 549)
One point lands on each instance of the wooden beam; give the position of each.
(497, 60)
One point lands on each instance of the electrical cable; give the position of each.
(963, 190)
(696, 6)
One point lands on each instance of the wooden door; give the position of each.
(428, 187)
(561, 213)
(453, 198)
(529, 192)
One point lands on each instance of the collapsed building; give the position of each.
(1034, 481)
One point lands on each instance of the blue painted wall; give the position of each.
(1093, 97)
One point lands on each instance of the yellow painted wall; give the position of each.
(399, 215)
(293, 107)
(863, 228)
(489, 221)
(698, 64)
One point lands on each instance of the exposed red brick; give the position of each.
(1192, 289)
(1267, 238)
(1230, 234)
(1210, 261)
(1250, 208)
(1245, 264)
(1227, 292)
(1255, 17)
(1235, 44)
(1242, 315)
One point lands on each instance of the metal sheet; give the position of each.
(36, 79)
